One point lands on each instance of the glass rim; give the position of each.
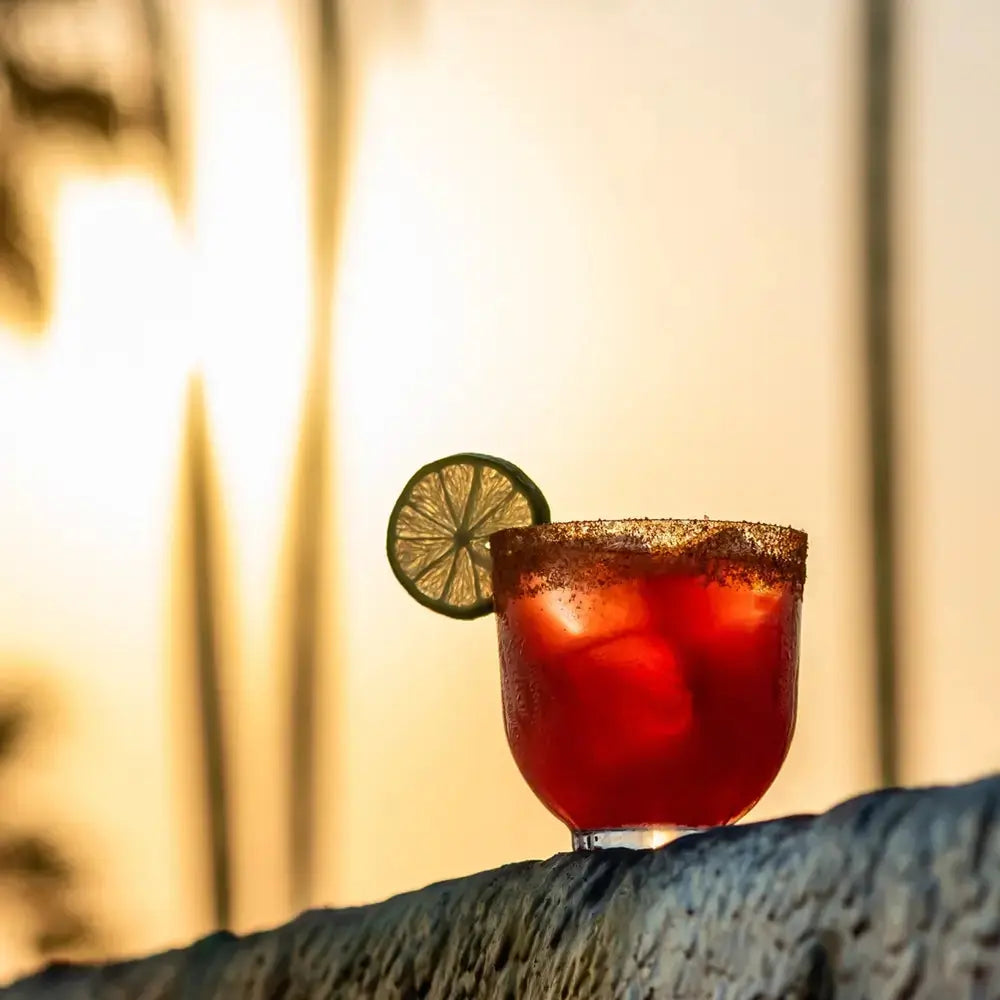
(766, 553)
(610, 523)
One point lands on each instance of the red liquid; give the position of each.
(667, 700)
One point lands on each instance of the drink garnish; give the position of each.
(437, 541)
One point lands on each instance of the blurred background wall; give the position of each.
(619, 244)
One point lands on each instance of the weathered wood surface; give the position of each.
(892, 895)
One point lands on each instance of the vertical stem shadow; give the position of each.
(309, 507)
(878, 147)
(205, 619)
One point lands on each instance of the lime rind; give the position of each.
(438, 529)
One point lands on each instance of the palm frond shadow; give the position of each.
(309, 514)
(204, 514)
(36, 873)
(39, 97)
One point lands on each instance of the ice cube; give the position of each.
(633, 688)
(702, 614)
(557, 621)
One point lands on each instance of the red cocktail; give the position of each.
(649, 668)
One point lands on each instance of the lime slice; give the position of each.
(438, 530)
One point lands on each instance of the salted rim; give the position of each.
(541, 557)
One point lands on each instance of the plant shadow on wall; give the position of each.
(76, 80)
(38, 880)
(81, 80)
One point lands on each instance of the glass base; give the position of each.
(635, 838)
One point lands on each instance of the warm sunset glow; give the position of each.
(88, 514)
(84, 516)
(573, 240)
(250, 265)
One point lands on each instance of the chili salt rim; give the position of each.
(582, 554)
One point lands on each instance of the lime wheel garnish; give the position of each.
(438, 534)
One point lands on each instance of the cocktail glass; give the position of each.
(649, 669)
